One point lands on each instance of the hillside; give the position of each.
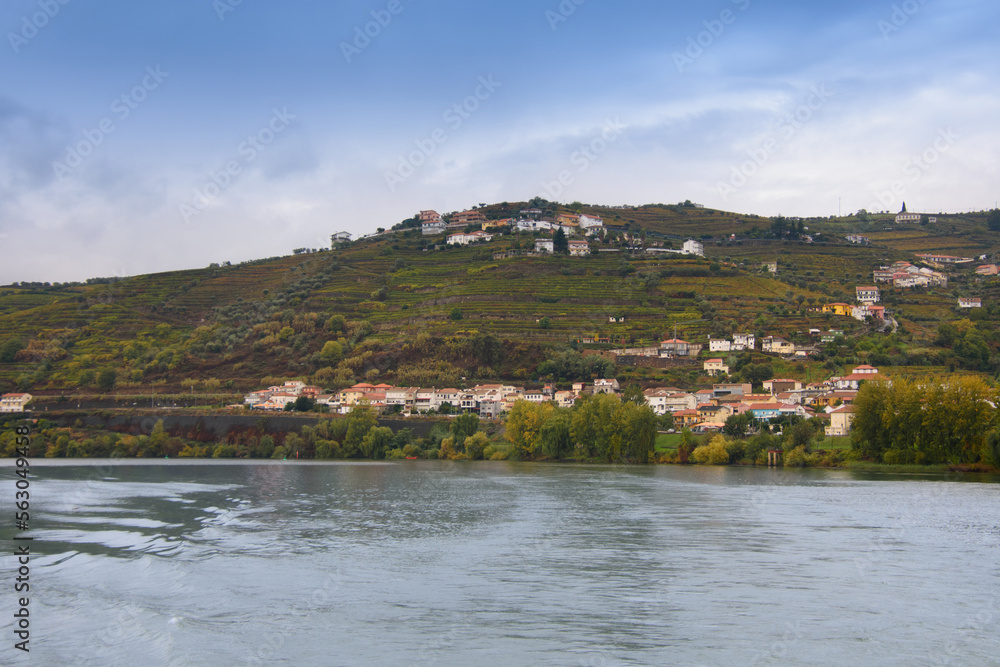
(405, 311)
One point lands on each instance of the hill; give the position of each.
(403, 308)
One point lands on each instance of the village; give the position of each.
(703, 410)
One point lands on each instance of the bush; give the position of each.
(224, 451)
(475, 445)
(715, 453)
(797, 458)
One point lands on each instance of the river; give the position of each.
(495, 563)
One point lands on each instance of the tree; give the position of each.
(303, 404)
(557, 441)
(336, 324)
(107, 379)
(360, 421)
(993, 220)
(633, 393)
(474, 446)
(736, 426)
(332, 352)
(376, 442)
(464, 426)
(524, 426)
(560, 244)
(456, 314)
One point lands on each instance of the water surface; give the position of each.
(212, 563)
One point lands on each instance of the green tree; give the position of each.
(456, 314)
(303, 404)
(464, 426)
(633, 394)
(376, 442)
(736, 426)
(560, 244)
(524, 426)
(332, 352)
(556, 438)
(993, 220)
(474, 446)
(107, 379)
(360, 420)
(336, 324)
(9, 350)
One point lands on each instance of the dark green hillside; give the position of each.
(402, 309)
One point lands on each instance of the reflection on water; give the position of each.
(447, 563)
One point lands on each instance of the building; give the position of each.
(838, 309)
(907, 217)
(781, 386)
(692, 247)
(964, 302)
(675, 347)
(606, 386)
(544, 245)
(771, 267)
(14, 402)
(731, 389)
(590, 222)
(468, 218)
(719, 345)
(433, 228)
(744, 341)
(715, 366)
(945, 259)
(466, 239)
(579, 248)
(840, 421)
(857, 238)
(987, 270)
(341, 237)
(776, 345)
(429, 216)
(869, 294)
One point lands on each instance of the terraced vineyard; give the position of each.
(238, 324)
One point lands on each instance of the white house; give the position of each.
(868, 294)
(466, 239)
(719, 345)
(433, 228)
(544, 245)
(579, 248)
(692, 247)
(590, 222)
(744, 341)
(964, 302)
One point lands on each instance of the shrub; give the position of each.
(715, 453)
(224, 451)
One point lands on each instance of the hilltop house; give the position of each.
(867, 295)
(964, 302)
(590, 222)
(692, 247)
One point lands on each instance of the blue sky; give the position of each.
(146, 136)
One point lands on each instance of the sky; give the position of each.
(138, 137)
